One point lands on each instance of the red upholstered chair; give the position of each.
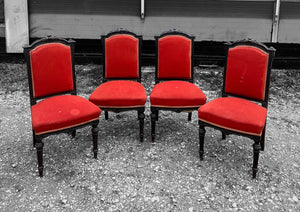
(246, 83)
(55, 108)
(121, 89)
(174, 89)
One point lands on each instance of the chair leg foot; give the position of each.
(33, 139)
(223, 135)
(201, 140)
(141, 116)
(153, 120)
(106, 115)
(39, 150)
(262, 139)
(190, 116)
(256, 150)
(95, 131)
(73, 133)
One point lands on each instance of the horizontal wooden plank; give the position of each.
(116, 7)
(257, 8)
(289, 31)
(206, 28)
(290, 10)
(283, 1)
(208, 8)
(1, 11)
(289, 24)
(2, 30)
(208, 20)
(251, 0)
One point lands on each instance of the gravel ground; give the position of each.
(162, 176)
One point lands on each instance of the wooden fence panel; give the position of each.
(206, 19)
(289, 22)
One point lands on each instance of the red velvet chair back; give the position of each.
(174, 56)
(122, 55)
(51, 68)
(247, 71)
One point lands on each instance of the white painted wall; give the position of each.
(16, 25)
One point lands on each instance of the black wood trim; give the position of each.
(67, 130)
(177, 109)
(118, 110)
(227, 132)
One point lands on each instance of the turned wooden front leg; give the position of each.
(141, 116)
(153, 120)
(39, 150)
(256, 150)
(223, 135)
(95, 131)
(201, 140)
(190, 116)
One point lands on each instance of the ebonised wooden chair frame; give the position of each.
(155, 110)
(259, 141)
(37, 139)
(140, 110)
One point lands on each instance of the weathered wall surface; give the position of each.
(206, 19)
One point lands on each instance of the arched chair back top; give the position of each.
(174, 52)
(50, 68)
(121, 50)
(247, 71)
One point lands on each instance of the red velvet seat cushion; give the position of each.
(119, 94)
(177, 93)
(62, 112)
(235, 114)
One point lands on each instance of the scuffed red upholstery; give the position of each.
(121, 56)
(51, 68)
(119, 93)
(174, 57)
(235, 114)
(61, 112)
(177, 94)
(246, 72)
